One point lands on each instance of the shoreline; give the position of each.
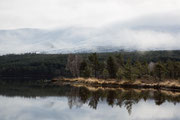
(169, 85)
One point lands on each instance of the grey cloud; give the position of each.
(84, 39)
(164, 22)
(90, 13)
(153, 32)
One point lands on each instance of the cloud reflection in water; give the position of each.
(56, 108)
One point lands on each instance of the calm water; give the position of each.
(71, 103)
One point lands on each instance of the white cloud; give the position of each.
(84, 39)
(80, 24)
(89, 13)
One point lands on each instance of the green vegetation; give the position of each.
(158, 65)
(33, 65)
(117, 67)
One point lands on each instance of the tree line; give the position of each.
(119, 65)
(116, 67)
(33, 65)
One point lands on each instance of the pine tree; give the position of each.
(120, 74)
(102, 66)
(129, 73)
(85, 70)
(159, 71)
(105, 74)
(112, 67)
(94, 62)
(170, 69)
(120, 60)
(138, 69)
(176, 70)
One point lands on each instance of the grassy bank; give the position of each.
(113, 83)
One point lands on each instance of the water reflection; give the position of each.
(55, 108)
(125, 98)
(72, 103)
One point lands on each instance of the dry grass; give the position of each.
(111, 82)
(171, 83)
(93, 80)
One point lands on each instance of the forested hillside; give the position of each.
(89, 65)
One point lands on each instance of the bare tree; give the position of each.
(73, 64)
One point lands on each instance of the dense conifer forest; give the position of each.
(158, 65)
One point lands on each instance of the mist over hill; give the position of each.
(78, 40)
(92, 26)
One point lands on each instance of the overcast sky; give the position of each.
(137, 24)
(82, 13)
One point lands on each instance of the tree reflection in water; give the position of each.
(121, 98)
(77, 96)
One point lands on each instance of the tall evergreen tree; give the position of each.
(159, 71)
(129, 73)
(120, 74)
(105, 74)
(112, 67)
(94, 62)
(145, 69)
(176, 70)
(85, 70)
(138, 69)
(170, 69)
(120, 60)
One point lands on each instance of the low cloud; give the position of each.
(85, 39)
(88, 26)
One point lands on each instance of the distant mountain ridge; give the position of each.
(79, 40)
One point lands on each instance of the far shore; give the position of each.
(172, 85)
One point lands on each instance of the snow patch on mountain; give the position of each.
(79, 40)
